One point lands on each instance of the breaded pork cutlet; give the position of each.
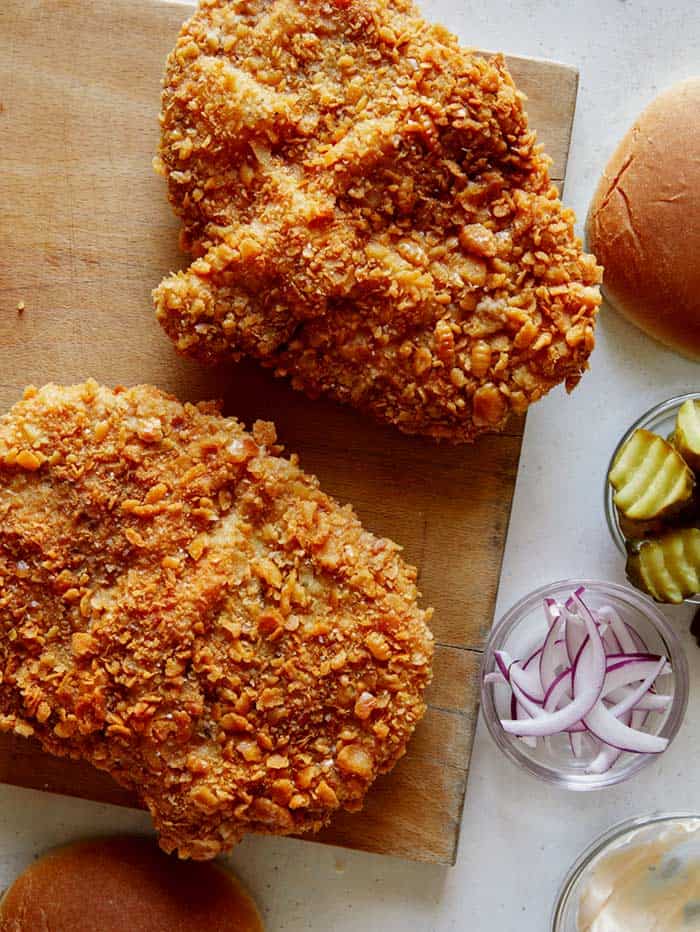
(184, 608)
(369, 215)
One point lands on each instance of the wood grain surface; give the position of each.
(86, 233)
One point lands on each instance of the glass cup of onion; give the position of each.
(583, 683)
(648, 828)
(661, 420)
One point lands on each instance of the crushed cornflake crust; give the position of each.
(368, 214)
(184, 608)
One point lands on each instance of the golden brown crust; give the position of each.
(125, 884)
(187, 610)
(369, 215)
(644, 220)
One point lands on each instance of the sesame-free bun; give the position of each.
(125, 884)
(644, 221)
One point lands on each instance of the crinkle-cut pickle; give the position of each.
(641, 530)
(650, 478)
(686, 436)
(668, 568)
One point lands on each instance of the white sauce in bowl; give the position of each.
(647, 882)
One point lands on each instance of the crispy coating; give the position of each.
(369, 214)
(186, 609)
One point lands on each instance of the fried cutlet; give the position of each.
(369, 214)
(184, 608)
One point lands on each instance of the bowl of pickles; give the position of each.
(652, 500)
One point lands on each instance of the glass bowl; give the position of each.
(522, 628)
(637, 830)
(660, 420)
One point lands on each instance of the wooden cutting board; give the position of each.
(86, 233)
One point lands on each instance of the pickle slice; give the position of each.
(651, 479)
(686, 437)
(640, 530)
(687, 516)
(667, 568)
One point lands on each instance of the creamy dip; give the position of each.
(648, 882)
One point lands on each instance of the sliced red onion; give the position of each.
(633, 671)
(503, 661)
(604, 761)
(618, 736)
(612, 645)
(528, 681)
(570, 603)
(560, 688)
(608, 756)
(636, 695)
(531, 659)
(520, 713)
(652, 702)
(551, 610)
(533, 709)
(619, 628)
(553, 655)
(591, 663)
(558, 694)
(592, 673)
(624, 660)
(612, 731)
(575, 635)
(623, 657)
(599, 720)
(548, 723)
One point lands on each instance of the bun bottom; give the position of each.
(125, 884)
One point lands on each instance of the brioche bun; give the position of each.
(125, 884)
(644, 221)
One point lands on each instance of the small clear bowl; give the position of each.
(660, 420)
(523, 628)
(638, 830)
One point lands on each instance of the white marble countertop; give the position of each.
(518, 836)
